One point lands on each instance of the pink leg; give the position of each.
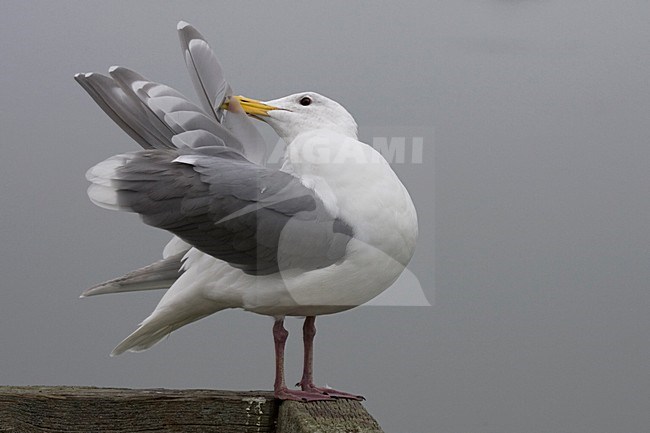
(281, 391)
(307, 381)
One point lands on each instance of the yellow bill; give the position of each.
(252, 107)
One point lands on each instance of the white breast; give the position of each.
(357, 184)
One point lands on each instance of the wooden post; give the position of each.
(68, 409)
(325, 417)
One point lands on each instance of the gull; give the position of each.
(328, 231)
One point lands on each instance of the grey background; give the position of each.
(537, 247)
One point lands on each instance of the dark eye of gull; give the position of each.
(306, 100)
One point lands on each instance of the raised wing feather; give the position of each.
(212, 88)
(123, 109)
(204, 69)
(241, 126)
(171, 110)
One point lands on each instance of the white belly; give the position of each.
(365, 273)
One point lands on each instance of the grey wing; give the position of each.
(255, 218)
(170, 110)
(204, 69)
(158, 116)
(155, 115)
(212, 89)
(125, 110)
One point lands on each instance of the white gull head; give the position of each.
(302, 112)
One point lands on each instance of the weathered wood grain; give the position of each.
(340, 416)
(110, 410)
(69, 409)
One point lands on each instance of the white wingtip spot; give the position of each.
(105, 172)
(181, 25)
(104, 197)
(113, 69)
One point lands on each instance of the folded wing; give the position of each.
(255, 218)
